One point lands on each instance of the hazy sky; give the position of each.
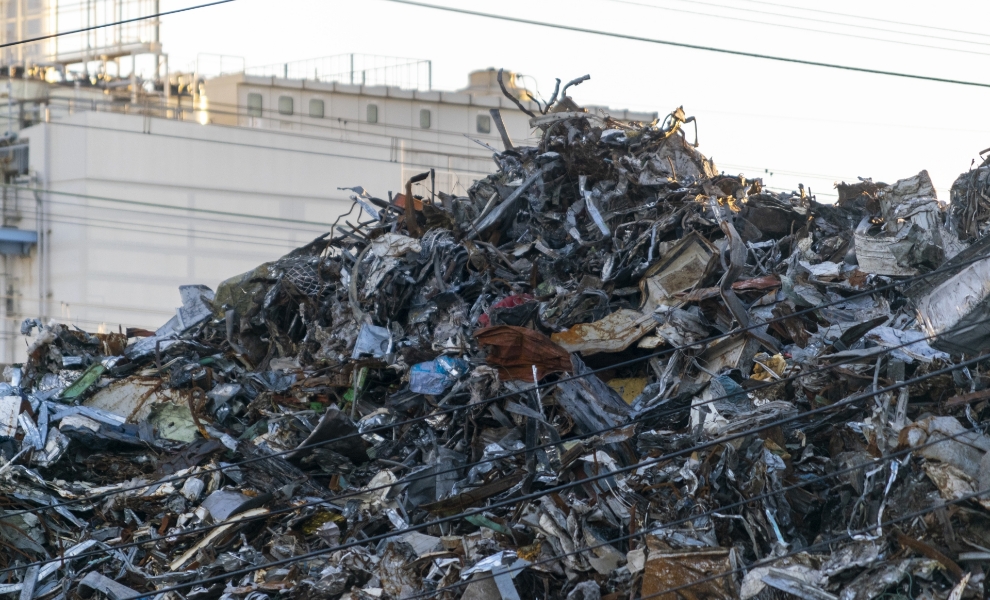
(802, 123)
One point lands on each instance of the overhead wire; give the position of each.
(479, 156)
(648, 415)
(822, 544)
(62, 123)
(194, 209)
(792, 27)
(637, 38)
(137, 228)
(282, 119)
(113, 24)
(193, 233)
(538, 386)
(580, 482)
(85, 304)
(482, 156)
(329, 502)
(317, 229)
(314, 121)
(865, 18)
(715, 512)
(772, 171)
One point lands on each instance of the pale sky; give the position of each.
(804, 124)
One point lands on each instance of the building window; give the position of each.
(484, 124)
(33, 5)
(316, 109)
(285, 105)
(424, 118)
(254, 106)
(33, 27)
(372, 113)
(12, 9)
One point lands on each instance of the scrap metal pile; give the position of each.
(610, 371)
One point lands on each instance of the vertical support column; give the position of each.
(134, 89)
(89, 16)
(55, 40)
(168, 84)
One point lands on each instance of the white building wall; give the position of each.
(123, 198)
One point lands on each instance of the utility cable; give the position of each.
(549, 384)
(325, 122)
(194, 209)
(637, 38)
(828, 12)
(791, 27)
(318, 228)
(804, 483)
(182, 230)
(738, 504)
(591, 478)
(647, 415)
(493, 141)
(287, 244)
(61, 123)
(823, 544)
(115, 23)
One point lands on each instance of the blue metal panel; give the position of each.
(14, 241)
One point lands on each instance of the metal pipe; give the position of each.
(89, 14)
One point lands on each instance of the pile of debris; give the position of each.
(609, 371)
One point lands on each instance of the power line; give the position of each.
(737, 504)
(646, 416)
(191, 233)
(246, 145)
(482, 157)
(770, 170)
(827, 12)
(256, 241)
(442, 154)
(636, 38)
(784, 25)
(277, 116)
(637, 360)
(784, 189)
(579, 482)
(649, 415)
(823, 544)
(641, 358)
(317, 227)
(104, 25)
(408, 480)
(168, 206)
(322, 502)
(31, 300)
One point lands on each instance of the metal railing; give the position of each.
(355, 69)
